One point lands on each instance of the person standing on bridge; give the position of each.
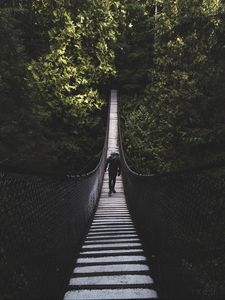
(114, 169)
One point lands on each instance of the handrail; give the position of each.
(15, 170)
(206, 167)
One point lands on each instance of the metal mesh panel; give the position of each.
(42, 222)
(181, 218)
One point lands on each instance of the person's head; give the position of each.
(114, 155)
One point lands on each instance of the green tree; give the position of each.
(184, 98)
(134, 46)
(64, 83)
(64, 58)
(12, 72)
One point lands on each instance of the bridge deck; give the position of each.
(111, 264)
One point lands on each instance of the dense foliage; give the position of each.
(134, 46)
(56, 58)
(179, 117)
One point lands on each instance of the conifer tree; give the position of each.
(183, 100)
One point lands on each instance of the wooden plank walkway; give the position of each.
(111, 264)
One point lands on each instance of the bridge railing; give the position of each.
(42, 222)
(181, 219)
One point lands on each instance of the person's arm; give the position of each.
(119, 168)
(106, 165)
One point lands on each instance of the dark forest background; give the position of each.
(58, 60)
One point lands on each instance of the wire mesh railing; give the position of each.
(181, 218)
(42, 222)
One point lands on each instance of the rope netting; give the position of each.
(43, 220)
(181, 218)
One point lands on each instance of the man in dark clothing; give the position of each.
(114, 169)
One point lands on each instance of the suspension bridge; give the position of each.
(111, 264)
(65, 238)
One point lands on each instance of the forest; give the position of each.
(59, 59)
